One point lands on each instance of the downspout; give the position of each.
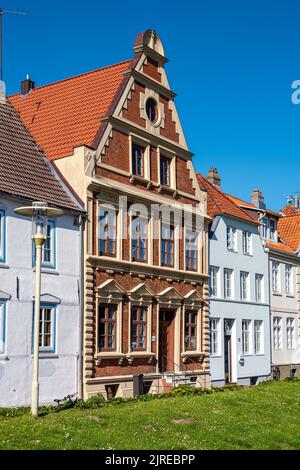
(81, 309)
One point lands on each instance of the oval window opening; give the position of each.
(151, 110)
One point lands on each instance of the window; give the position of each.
(228, 290)
(275, 276)
(289, 279)
(48, 248)
(214, 281)
(107, 324)
(139, 328)
(2, 236)
(231, 238)
(277, 333)
(264, 228)
(137, 153)
(272, 226)
(167, 245)
(191, 251)
(47, 328)
(190, 330)
(246, 243)
(2, 325)
(139, 236)
(259, 288)
(151, 110)
(246, 336)
(258, 346)
(244, 283)
(290, 333)
(214, 336)
(107, 232)
(165, 171)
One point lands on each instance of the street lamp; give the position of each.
(39, 212)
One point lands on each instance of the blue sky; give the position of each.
(231, 63)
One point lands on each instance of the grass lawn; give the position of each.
(262, 417)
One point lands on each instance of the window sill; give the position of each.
(192, 353)
(109, 355)
(3, 357)
(47, 271)
(290, 296)
(278, 294)
(231, 251)
(47, 355)
(4, 265)
(140, 355)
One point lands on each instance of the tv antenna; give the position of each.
(2, 12)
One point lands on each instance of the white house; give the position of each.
(239, 293)
(26, 176)
(280, 234)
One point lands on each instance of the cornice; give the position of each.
(150, 82)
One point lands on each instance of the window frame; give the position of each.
(247, 242)
(276, 277)
(107, 240)
(244, 286)
(52, 263)
(139, 322)
(231, 238)
(53, 308)
(246, 333)
(167, 242)
(2, 235)
(277, 338)
(290, 334)
(215, 269)
(106, 321)
(162, 180)
(3, 304)
(134, 160)
(215, 337)
(188, 325)
(138, 259)
(230, 278)
(189, 248)
(260, 277)
(258, 333)
(289, 290)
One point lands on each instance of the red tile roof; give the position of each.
(220, 203)
(290, 209)
(240, 202)
(280, 247)
(66, 114)
(289, 230)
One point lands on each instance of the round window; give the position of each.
(151, 110)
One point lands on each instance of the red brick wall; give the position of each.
(117, 151)
(183, 178)
(169, 130)
(132, 113)
(153, 164)
(151, 69)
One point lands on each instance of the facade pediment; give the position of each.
(49, 299)
(4, 295)
(141, 290)
(193, 298)
(170, 294)
(110, 287)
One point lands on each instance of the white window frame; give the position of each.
(289, 279)
(216, 277)
(215, 336)
(244, 285)
(259, 288)
(2, 326)
(290, 333)
(258, 337)
(276, 277)
(246, 337)
(247, 243)
(231, 238)
(53, 310)
(228, 283)
(272, 235)
(2, 235)
(277, 333)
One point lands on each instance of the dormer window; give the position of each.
(272, 226)
(264, 228)
(137, 160)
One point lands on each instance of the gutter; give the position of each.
(81, 308)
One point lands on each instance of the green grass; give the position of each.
(262, 417)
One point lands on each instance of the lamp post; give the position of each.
(39, 212)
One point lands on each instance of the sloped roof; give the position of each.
(289, 230)
(290, 209)
(220, 203)
(240, 202)
(24, 170)
(66, 114)
(279, 246)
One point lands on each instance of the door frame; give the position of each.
(177, 345)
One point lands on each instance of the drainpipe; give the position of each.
(81, 309)
(270, 310)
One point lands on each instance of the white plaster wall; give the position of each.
(235, 309)
(58, 371)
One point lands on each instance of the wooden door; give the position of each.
(227, 358)
(166, 340)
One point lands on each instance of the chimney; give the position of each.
(214, 178)
(257, 198)
(27, 85)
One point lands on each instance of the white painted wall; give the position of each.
(58, 370)
(285, 306)
(255, 365)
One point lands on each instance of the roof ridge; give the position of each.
(75, 76)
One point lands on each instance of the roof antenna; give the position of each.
(1, 38)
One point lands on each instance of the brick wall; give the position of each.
(151, 69)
